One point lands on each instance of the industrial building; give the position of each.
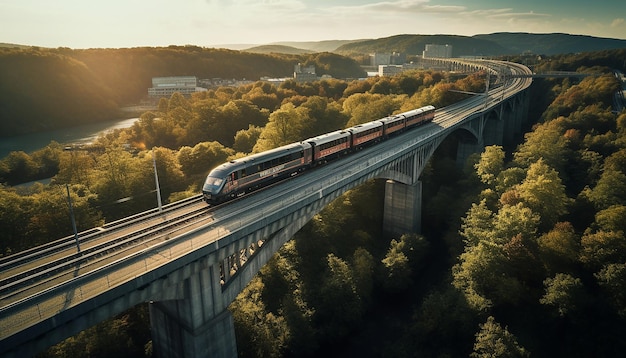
(166, 86)
(437, 51)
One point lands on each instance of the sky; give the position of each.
(211, 23)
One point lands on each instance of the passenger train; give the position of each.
(241, 176)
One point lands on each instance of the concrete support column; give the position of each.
(464, 150)
(403, 208)
(508, 120)
(493, 133)
(198, 325)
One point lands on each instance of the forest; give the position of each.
(45, 89)
(522, 252)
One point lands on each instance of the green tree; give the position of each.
(563, 292)
(171, 177)
(610, 190)
(484, 275)
(14, 217)
(340, 306)
(49, 214)
(611, 219)
(603, 247)
(122, 336)
(559, 247)
(177, 100)
(75, 166)
(325, 116)
(442, 317)
(202, 158)
(513, 220)
(545, 142)
(263, 96)
(612, 279)
(363, 266)
(163, 104)
(477, 225)
(490, 165)
(124, 183)
(245, 139)
(366, 107)
(259, 333)
(543, 192)
(415, 247)
(18, 167)
(617, 160)
(285, 126)
(509, 178)
(397, 270)
(494, 341)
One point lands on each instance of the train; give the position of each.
(244, 175)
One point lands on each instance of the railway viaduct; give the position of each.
(190, 279)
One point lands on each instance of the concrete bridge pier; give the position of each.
(493, 133)
(403, 209)
(466, 148)
(199, 325)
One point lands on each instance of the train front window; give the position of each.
(211, 181)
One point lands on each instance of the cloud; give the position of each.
(504, 14)
(265, 5)
(415, 6)
(616, 23)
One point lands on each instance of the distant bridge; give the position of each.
(190, 262)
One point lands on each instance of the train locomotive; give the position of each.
(244, 175)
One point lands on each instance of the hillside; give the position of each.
(318, 46)
(414, 45)
(267, 49)
(46, 89)
(487, 45)
(551, 44)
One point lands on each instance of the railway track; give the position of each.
(59, 261)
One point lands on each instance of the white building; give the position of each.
(377, 59)
(166, 86)
(304, 74)
(437, 51)
(389, 70)
(395, 58)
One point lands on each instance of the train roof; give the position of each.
(364, 126)
(328, 137)
(417, 111)
(239, 163)
(391, 118)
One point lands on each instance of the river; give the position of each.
(80, 134)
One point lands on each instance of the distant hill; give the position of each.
(4, 44)
(503, 43)
(44, 89)
(265, 49)
(318, 46)
(414, 45)
(551, 44)
(236, 47)
(314, 46)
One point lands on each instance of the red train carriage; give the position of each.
(392, 125)
(330, 145)
(366, 134)
(419, 116)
